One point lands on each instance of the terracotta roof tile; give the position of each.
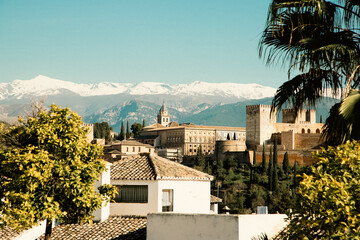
(8, 233)
(133, 168)
(114, 228)
(214, 199)
(154, 167)
(167, 169)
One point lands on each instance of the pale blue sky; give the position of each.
(170, 41)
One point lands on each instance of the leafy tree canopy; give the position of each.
(329, 197)
(136, 128)
(48, 171)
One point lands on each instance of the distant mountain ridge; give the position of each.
(45, 86)
(204, 104)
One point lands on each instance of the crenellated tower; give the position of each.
(260, 124)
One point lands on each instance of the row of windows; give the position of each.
(200, 133)
(134, 149)
(309, 131)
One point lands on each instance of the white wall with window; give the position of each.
(138, 197)
(141, 197)
(188, 196)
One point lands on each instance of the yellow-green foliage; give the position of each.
(48, 171)
(329, 197)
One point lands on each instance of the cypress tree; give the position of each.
(200, 159)
(127, 130)
(263, 163)
(143, 122)
(254, 158)
(286, 164)
(275, 168)
(122, 132)
(271, 172)
(295, 172)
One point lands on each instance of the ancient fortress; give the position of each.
(298, 135)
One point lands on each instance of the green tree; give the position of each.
(122, 132)
(285, 164)
(127, 130)
(275, 168)
(143, 125)
(200, 159)
(271, 172)
(329, 197)
(263, 163)
(320, 41)
(102, 130)
(48, 172)
(136, 128)
(230, 162)
(254, 158)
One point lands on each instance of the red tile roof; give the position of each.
(154, 167)
(116, 227)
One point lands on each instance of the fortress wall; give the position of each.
(307, 140)
(302, 157)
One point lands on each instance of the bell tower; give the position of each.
(163, 116)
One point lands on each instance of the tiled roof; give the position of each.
(114, 228)
(8, 233)
(154, 167)
(127, 143)
(191, 126)
(214, 199)
(167, 169)
(133, 168)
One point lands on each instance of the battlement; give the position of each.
(257, 106)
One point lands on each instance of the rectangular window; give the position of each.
(132, 193)
(167, 200)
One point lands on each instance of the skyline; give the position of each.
(135, 41)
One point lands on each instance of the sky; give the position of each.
(132, 41)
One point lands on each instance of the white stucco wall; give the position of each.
(192, 226)
(254, 225)
(177, 226)
(139, 209)
(103, 213)
(189, 196)
(32, 233)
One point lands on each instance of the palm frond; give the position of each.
(305, 89)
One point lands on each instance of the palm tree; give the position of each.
(320, 40)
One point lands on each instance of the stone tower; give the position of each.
(163, 116)
(260, 124)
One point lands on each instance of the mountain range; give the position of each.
(198, 102)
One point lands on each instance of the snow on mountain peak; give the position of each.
(43, 85)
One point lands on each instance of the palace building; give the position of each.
(189, 137)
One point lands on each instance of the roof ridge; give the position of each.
(153, 167)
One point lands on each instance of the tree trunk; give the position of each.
(48, 229)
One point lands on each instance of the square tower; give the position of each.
(260, 124)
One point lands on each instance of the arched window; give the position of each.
(302, 130)
(317, 130)
(309, 131)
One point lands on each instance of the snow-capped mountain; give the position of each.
(45, 86)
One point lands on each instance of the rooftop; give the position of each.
(154, 127)
(116, 227)
(153, 167)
